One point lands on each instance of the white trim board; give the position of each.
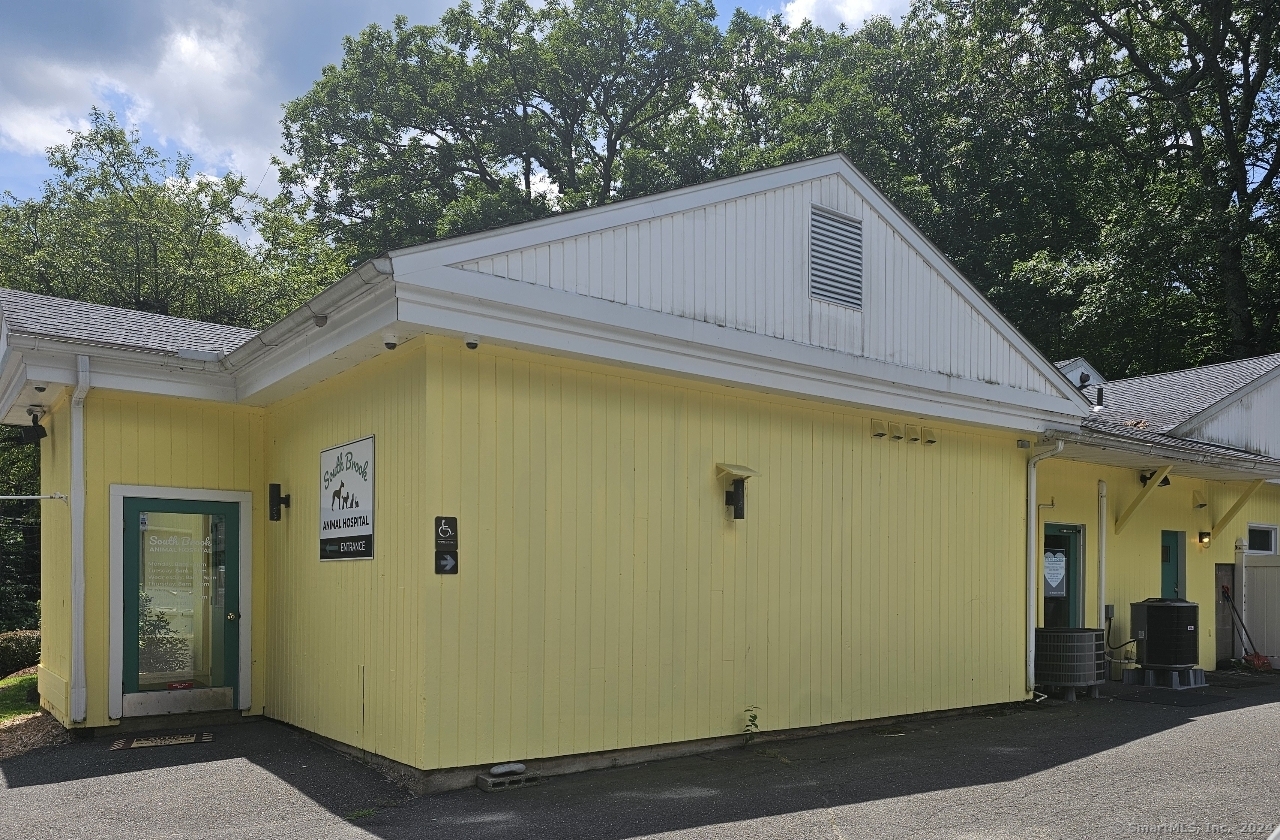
(450, 301)
(119, 492)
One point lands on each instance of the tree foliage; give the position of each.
(120, 225)
(1104, 169)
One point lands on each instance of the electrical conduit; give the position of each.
(1033, 544)
(78, 692)
(1102, 553)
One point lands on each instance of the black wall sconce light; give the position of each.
(35, 432)
(1205, 537)
(735, 494)
(275, 501)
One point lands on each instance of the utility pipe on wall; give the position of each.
(1102, 553)
(1033, 543)
(79, 695)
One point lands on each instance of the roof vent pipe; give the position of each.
(1097, 402)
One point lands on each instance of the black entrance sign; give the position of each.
(446, 545)
(446, 562)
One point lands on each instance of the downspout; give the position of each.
(79, 695)
(1032, 560)
(1102, 553)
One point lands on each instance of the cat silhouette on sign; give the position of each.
(343, 501)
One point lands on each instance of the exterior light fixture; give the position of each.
(735, 494)
(35, 432)
(1205, 536)
(1147, 476)
(275, 501)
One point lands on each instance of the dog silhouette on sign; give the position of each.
(337, 499)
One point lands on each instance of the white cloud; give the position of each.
(831, 13)
(59, 98)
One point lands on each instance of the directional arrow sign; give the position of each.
(446, 562)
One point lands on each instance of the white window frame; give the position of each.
(1275, 536)
(120, 492)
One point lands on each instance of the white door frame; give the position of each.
(119, 492)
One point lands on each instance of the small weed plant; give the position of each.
(752, 727)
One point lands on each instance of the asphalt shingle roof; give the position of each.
(57, 319)
(1161, 401)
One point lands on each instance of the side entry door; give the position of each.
(1062, 576)
(181, 606)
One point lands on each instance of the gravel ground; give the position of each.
(1098, 768)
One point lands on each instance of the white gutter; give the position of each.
(60, 496)
(1102, 553)
(78, 693)
(1033, 543)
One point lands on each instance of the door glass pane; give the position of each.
(181, 601)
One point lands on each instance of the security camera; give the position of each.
(390, 340)
(472, 342)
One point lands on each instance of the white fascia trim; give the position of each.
(449, 301)
(537, 233)
(13, 378)
(332, 303)
(1250, 469)
(1187, 426)
(115, 668)
(118, 371)
(361, 316)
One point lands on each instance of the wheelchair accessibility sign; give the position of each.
(446, 545)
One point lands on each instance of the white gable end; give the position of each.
(744, 263)
(713, 282)
(1247, 421)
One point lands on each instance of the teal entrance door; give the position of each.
(1171, 564)
(181, 604)
(1063, 602)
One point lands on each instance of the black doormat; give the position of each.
(1171, 697)
(161, 741)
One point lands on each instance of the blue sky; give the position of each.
(206, 77)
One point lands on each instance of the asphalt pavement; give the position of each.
(1103, 768)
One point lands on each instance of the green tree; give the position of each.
(1195, 85)
(495, 115)
(120, 225)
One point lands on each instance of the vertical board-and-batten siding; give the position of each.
(164, 442)
(55, 563)
(743, 264)
(1247, 423)
(603, 600)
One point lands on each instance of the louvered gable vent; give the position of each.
(835, 258)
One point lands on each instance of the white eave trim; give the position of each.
(532, 234)
(449, 301)
(1098, 440)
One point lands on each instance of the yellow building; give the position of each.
(600, 482)
(1176, 472)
